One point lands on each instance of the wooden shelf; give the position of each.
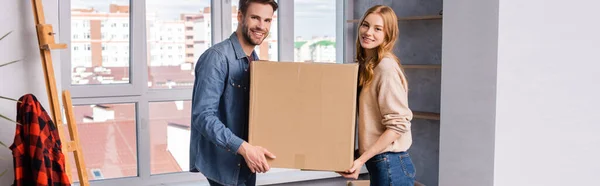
(411, 18)
(426, 115)
(409, 66)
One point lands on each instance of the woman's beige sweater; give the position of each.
(384, 105)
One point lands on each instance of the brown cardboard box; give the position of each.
(359, 183)
(304, 113)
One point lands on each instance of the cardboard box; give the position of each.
(359, 183)
(304, 113)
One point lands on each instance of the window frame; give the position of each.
(138, 93)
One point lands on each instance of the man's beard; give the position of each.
(248, 38)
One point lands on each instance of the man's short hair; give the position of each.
(244, 4)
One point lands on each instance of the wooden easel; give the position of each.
(47, 43)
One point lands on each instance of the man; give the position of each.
(220, 103)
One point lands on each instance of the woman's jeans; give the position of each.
(391, 168)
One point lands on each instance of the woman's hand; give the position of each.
(354, 170)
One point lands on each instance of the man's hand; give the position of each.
(354, 170)
(255, 157)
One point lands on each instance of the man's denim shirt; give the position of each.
(220, 106)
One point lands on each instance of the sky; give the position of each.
(311, 17)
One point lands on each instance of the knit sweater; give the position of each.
(383, 104)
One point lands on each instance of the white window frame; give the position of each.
(138, 93)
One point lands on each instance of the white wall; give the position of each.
(520, 93)
(548, 98)
(469, 48)
(23, 77)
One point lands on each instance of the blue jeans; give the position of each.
(391, 168)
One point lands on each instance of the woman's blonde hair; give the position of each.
(386, 49)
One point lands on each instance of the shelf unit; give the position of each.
(410, 18)
(426, 115)
(414, 66)
(417, 114)
(419, 48)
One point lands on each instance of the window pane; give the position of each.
(107, 134)
(310, 44)
(170, 136)
(99, 42)
(178, 32)
(268, 50)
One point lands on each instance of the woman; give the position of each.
(384, 133)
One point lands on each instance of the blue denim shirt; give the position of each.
(220, 110)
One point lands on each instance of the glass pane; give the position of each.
(99, 42)
(269, 48)
(310, 44)
(170, 136)
(178, 32)
(107, 134)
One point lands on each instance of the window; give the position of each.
(315, 45)
(107, 136)
(196, 13)
(132, 92)
(111, 13)
(170, 133)
(97, 174)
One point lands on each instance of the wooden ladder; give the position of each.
(47, 43)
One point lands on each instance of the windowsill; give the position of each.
(279, 176)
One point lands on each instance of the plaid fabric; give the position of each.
(37, 154)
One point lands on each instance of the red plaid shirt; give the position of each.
(37, 154)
